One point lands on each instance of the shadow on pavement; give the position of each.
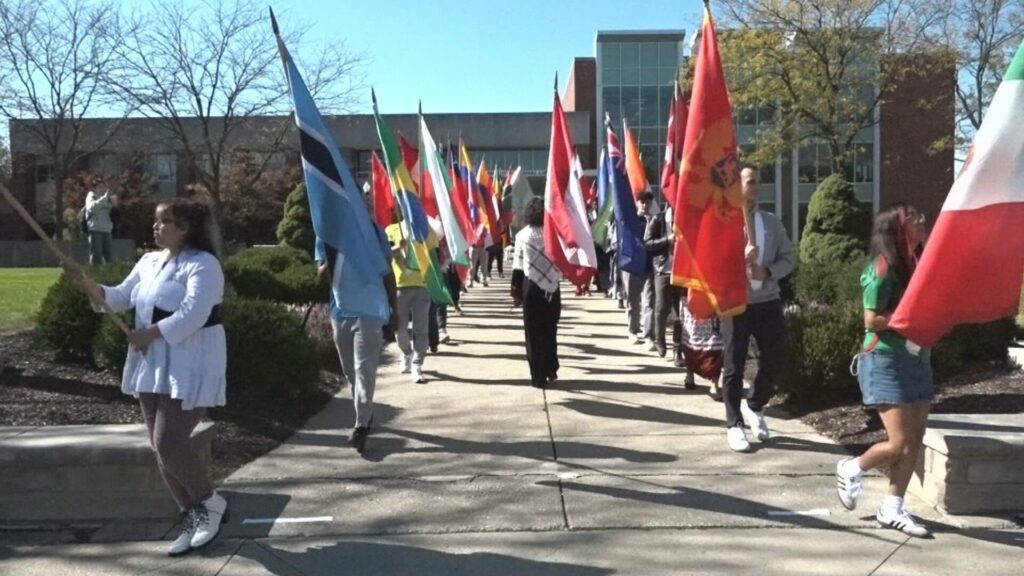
(639, 413)
(526, 448)
(259, 508)
(355, 557)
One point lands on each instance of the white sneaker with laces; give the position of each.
(417, 375)
(738, 439)
(406, 364)
(756, 421)
(900, 519)
(210, 514)
(183, 543)
(636, 339)
(849, 486)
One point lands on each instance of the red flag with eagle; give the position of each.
(709, 251)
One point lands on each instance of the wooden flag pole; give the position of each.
(64, 260)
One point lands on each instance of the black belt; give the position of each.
(212, 320)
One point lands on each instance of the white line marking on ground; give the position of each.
(308, 519)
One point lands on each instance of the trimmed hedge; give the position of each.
(277, 273)
(296, 227)
(269, 354)
(65, 320)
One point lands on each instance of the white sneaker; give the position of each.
(849, 487)
(417, 375)
(406, 364)
(738, 439)
(209, 514)
(183, 543)
(900, 519)
(756, 421)
(636, 339)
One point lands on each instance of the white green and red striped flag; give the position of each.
(973, 263)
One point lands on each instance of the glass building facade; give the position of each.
(636, 72)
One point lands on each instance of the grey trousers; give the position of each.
(170, 434)
(413, 304)
(648, 301)
(100, 248)
(358, 342)
(637, 320)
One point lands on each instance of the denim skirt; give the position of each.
(886, 378)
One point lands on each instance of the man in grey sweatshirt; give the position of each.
(769, 260)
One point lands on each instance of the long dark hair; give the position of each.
(533, 214)
(891, 252)
(196, 217)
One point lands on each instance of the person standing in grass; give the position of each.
(177, 359)
(895, 375)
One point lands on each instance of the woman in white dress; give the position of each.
(177, 356)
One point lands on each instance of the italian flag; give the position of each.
(973, 263)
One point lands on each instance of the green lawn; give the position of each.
(21, 291)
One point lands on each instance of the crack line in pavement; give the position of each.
(230, 557)
(554, 454)
(891, 554)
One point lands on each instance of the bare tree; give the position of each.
(984, 34)
(208, 72)
(824, 66)
(56, 57)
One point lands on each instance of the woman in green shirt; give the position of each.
(895, 375)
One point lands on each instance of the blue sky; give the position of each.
(476, 56)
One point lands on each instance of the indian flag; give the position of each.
(973, 263)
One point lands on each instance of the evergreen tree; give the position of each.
(296, 227)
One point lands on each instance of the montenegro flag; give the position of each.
(708, 219)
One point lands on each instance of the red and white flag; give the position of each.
(973, 263)
(567, 239)
(674, 146)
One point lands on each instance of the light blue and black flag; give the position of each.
(340, 216)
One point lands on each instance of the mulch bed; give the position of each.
(994, 388)
(37, 390)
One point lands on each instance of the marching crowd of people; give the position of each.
(176, 364)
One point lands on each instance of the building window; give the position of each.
(165, 167)
(44, 173)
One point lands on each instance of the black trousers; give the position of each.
(667, 302)
(765, 323)
(541, 313)
(495, 255)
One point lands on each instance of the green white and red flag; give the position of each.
(973, 263)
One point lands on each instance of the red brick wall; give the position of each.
(581, 96)
(23, 187)
(916, 115)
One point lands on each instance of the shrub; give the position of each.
(278, 273)
(823, 282)
(65, 320)
(820, 344)
(269, 355)
(110, 345)
(970, 344)
(296, 227)
(835, 235)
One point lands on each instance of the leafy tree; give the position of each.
(207, 70)
(824, 66)
(56, 59)
(296, 227)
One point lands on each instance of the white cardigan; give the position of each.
(189, 362)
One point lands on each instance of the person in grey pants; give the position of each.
(413, 305)
(357, 320)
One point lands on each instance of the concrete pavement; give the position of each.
(615, 469)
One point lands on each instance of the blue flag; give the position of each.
(340, 217)
(630, 226)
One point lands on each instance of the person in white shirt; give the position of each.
(177, 358)
(535, 285)
(99, 225)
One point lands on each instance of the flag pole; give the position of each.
(64, 260)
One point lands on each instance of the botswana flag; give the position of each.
(340, 216)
